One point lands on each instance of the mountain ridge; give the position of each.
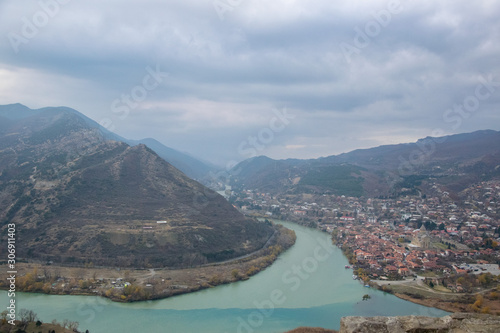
(379, 170)
(188, 164)
(77, 197)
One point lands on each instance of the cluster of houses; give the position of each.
(398, 236)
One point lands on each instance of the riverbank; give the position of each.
(125, 285)
(475, 293)
(463, 303)
(416, 291)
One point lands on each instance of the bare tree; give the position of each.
(26, 317)
(73, 325)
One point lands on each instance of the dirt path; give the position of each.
(149, 275)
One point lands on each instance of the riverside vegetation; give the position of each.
(126, 285)
(28, 322)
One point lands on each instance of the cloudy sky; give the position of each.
(227, 79)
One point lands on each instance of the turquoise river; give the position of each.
(307, 286)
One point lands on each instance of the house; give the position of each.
(459, 270)
(390, 269)
(413, 265)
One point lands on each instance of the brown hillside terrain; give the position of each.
(77, 198)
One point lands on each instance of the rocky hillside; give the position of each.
(189, 165)
(77, 197)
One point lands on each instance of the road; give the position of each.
(419, 280)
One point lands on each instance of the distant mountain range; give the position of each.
(79, 194)
(191, 166)
(456, 161)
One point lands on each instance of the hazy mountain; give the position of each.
(455, 160)
(76, 196)
(423, 153)
(191, 166)
(263, 173)
(16, 111)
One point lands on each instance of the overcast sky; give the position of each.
(227, 79)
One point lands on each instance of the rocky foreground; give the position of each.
(455, 323)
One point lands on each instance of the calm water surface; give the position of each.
(307, 286)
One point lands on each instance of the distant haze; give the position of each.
(228, 80)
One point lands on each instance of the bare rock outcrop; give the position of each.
(454, 323)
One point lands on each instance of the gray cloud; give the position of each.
(226, 76)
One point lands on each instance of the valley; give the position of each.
(99, 217)
(249, 167)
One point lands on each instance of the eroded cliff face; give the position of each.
(455, 323)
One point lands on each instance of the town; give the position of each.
(434, 234)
